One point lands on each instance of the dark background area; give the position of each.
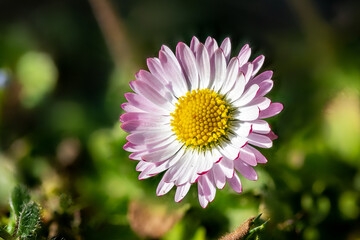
(63, 74)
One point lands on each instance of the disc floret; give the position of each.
(201, 118)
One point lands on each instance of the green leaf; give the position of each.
(256, 230)
(29, 220)
(5, 235)
(19, 198)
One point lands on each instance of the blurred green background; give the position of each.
(65, 66)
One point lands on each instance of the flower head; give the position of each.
(197, 115)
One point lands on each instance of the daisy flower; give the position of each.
(198, 115)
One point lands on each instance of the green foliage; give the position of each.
(37, 74)
(26, 214)
(29, 220)
(19, 198)
(257, 226)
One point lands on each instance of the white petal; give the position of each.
(155, 68)
(203, 65)
(244, 54)
(226, 47)
(211, 45)
(187, 61)
(247, 156)
(156, 84)
(168, 163)
(272, 110)
(143, 116)
(245, 170)
(218, 69)
(148, 137)
(163, 187)
(247, 96)
(144, 104)
(261, 102)
(189, 171)
(203, 201)
(260, 126)
(173, 173)
(258, 62)
(141, 166)
(136, 126)
(265, 87)
(144, 174)
(248, 113)
(227, 166)
(260, 140)
(232, 72)
(162, 154)
(219, 176)
(127, 107)
(259, 157)
(194, 45)
(261, 77)
(137, 155)
(243, 129)
(247, 69)
(181, 191)
(144, 89)
(206, 163)
(235, 183)
(238, 88)
(172, 71)
(208, 186)
(228, 150)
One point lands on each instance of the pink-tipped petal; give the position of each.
(244, 54)
(140, 126)
(246, 170)
(202, 199)
(258, 62)
(235, 183)
(260, 126)
(147, 137)
(238, 88)
(247, 69)
(219, 176)
(226, 47)
(163, 153)
(218, 70)
(259, 157)
(163, 188)
(194, 45)
(247, 96)
(211, 45)
(144, 104)
(181, 192)
(143, 117)
(172, 70)
(265, 87)
(249, 113)
(232, 72)
(260, 140)
(188, 64)
(272, 110)
(227, 166)
(247, 156)
(267, 75)
(203, 65)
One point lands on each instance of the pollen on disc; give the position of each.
(201, 118)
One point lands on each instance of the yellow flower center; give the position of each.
(201, 118)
